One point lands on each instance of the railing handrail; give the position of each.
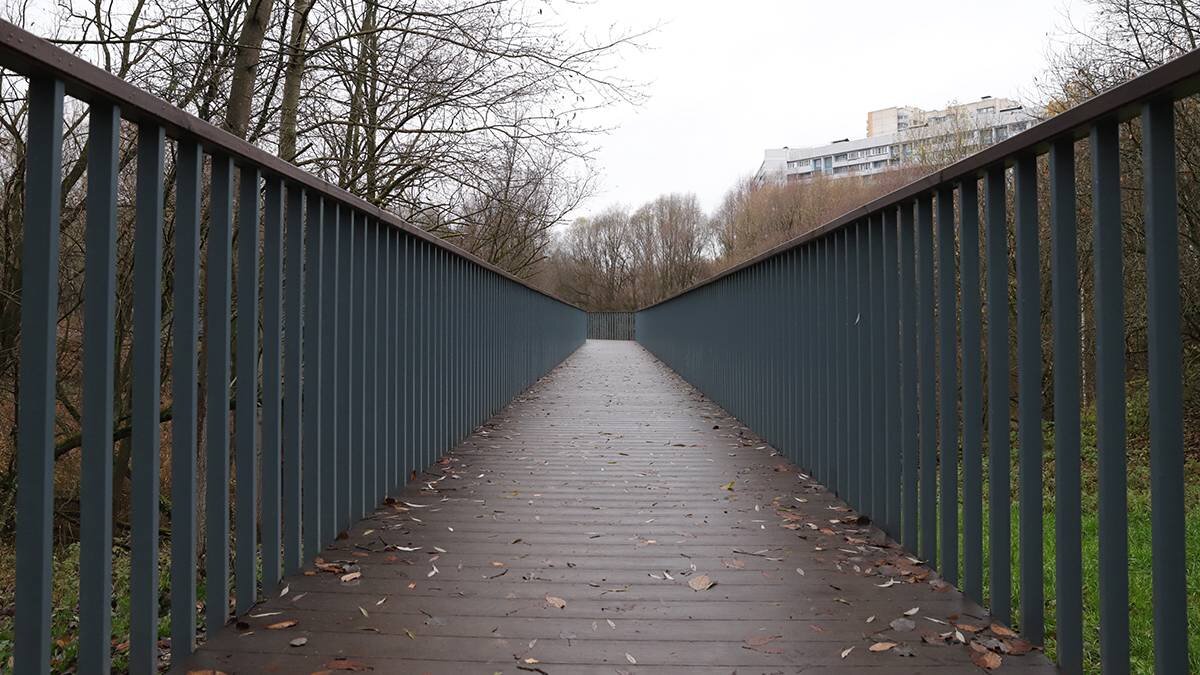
(1174, 79)
(89, 83)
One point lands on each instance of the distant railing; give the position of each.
(610, 325)
(380, 348)
(828, 346)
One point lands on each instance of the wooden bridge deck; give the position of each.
(566, 536)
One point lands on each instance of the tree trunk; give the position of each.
(245, 66)
(292, 76)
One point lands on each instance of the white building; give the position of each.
(899, 135)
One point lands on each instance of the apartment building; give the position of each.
(900, 135)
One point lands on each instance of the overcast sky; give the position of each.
(727, 79)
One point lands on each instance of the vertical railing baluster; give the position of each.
(245, 577)
(890, 288)
(346, 349)
(357, 422)
(385, 378)
(1064, 287)
(947, 323)
(302, 367)
(189, 171)
(1109, 321)
(875, 327)
(333, 369)
(866, 482)
(145, 400)
(1029, 399)
(849, 368)
(96, 424)
(219, 269)
(313, 328)
(999, 469)
(972, 390)
(927, 383)
(839, 366)
(272, 379)
(39, 313)
(908, 375)
(1164, 346)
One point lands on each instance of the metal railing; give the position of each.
(610, 326)
(828, 345)
(380, 348)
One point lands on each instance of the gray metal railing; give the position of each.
(380, 346)
(843, 346)
(610, 325)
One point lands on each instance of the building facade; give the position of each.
(902, 135)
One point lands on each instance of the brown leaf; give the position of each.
(986, 660)
(701, 583)
(351, 576)
(556, 602)
(1003, 631)
(282, 624)
(881, 646)
(1019, 647)
(760, 640)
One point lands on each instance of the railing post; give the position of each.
(999, 471)
(217, 328)
(272, 380)
(1164, 345)
(1109, 320)
(1064, 285)
(972, 390)
(96, 465)
(246, 573)
(927, 383)
(908, 375)
(1029, 399)
(947, 318)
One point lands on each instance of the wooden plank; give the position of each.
(605, 486)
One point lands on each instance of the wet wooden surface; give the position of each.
(566, 536)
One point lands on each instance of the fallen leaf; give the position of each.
(351, 576)
(846, 651)
(903, 625)
(364, 612)
(800, 571)
(282, 624)
(1020, 647)
(728, 486)
(701, 583)
(629, 658)
(881, 646)
(556, 602)
(760, 640)
(986, 660)
(1003, 631)
(299, 642)
(912, 611)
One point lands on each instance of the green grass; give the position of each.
(64, 617)
(1140, 547)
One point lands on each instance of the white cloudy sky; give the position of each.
(727, 79)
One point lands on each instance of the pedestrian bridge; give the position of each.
(427, 467)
